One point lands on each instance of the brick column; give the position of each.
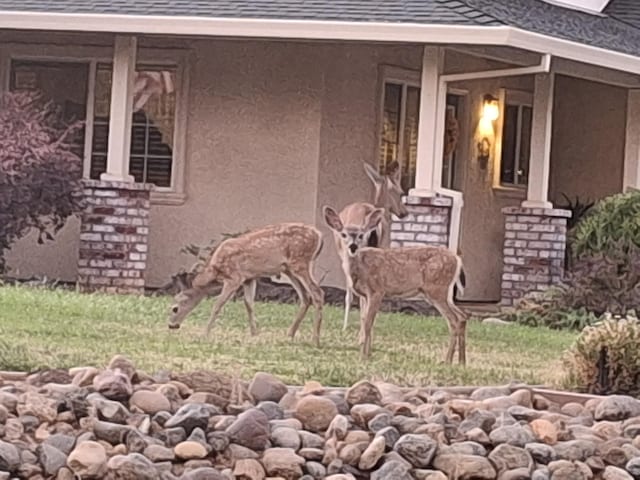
(113, 237)
(534, 246)
(427, 223)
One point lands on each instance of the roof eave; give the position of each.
(321, 30)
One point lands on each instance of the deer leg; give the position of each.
(228, 289)
(363, 307)
(249, 298)
(452, 318)
(304, 305)
(368, 318)
(317, 298)
(348, 298)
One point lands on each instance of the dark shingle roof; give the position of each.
(615, 31)
(625, 10)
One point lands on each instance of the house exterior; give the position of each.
(212, 117)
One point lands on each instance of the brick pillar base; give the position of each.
(113, 237)
(534, 245)
(427, 223)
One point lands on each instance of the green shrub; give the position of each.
(605, 358)
(550, 309)
(613, 223)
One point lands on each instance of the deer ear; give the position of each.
(371, 172)
(374, 219)
(393, 172)
(331, 218)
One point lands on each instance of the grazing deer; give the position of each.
(388, 195)
(432, 271)
(289, 248)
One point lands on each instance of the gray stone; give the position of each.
(251, 430)
(9, 457)
(615, 473)
(464, 448)
(633, 467)
(575, 450)
(392, 470)
(190, 416)
(272, 410)
(390, 434)
(363, 392)
(113, 385)
(541, 452)
(286, 438)
(417, 449)
(380, 421)
(132, 466)
(159, 453)
(62, 442)
(113, 433)
(218, 441)
(311, 440)
(617, 407)
(204, 473)
(512, 434)
(51, 459)
(541, 474)
(508, 457)
(316, 470)
(108, 410)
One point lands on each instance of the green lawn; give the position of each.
(58, 328)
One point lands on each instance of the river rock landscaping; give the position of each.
(122, 423)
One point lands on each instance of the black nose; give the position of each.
(353, 247)
(174, 327)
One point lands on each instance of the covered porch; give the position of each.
(254, 138)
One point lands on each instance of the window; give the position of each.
(152, 129)
(399, 126)
(82, 90)
(399, 135)
(516, 139)
(451, 140)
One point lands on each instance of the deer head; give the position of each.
(353, 238)
(388, 190)
(184, 303)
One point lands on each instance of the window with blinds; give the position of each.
(152, 129)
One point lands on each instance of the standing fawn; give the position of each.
(388, 195)
(431, 271)
(289, 248)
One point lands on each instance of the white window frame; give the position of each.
(178, 59)
(406, 78)
(519, 98)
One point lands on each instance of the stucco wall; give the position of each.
(275, 130)
(587, 149)
(349, 133)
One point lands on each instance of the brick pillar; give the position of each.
(534, 247)
(113, 237)
(427, 223)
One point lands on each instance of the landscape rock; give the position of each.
(190, 416)
(88, 459)
(465, 467)
(9, 457)
(363, 392)
(132, 466)
(51, 459)
(416, 449)
(316, 413)
(617, 407)
(266, 387)
(283, 462)
(190, 450)
(150, 402)
(113, 385)
(251, 430)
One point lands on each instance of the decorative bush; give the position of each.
(39, 173)
(605, 358)
(613, 223)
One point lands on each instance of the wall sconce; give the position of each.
(490, 113)
(490, 108)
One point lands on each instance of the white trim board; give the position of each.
(320, 30)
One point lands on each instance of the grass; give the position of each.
(58, 328)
